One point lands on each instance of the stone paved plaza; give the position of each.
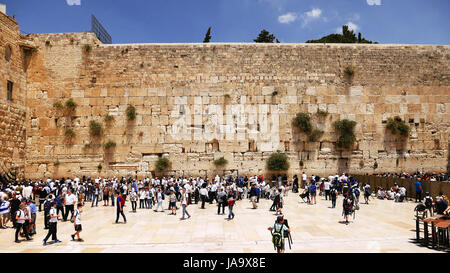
(380, 227)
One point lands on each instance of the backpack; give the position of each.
(428, 202)
(347, 204)
(277, 237)
(122, 201)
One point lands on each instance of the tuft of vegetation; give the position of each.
(110, 144)
(322, 113)
(56, 163)
(315, 135)
(70, 105)
(162, 163)
(349, 71)
(277, 162)
(347, 136)
(87, 48)
(48, 43)
(95, 128)
(274, 93)
(69, 133)
(227, 96)
(58, 105)
(397, 125)
(99, 167)
(131, 112)
(220, 162)
(301, 164)
(303, 122)
(375, 165)
(109, 118)
(87, 146)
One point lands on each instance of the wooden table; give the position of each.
(443, 233)
(434, 221)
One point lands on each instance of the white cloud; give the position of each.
(311, 15)
(73, 2)
(287, 18)
(373, 2)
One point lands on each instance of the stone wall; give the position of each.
(12, 112)
(198, 102)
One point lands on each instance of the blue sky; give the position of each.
(292, 21)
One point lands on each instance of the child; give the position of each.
(77, 222)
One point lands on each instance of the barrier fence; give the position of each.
(433, 187)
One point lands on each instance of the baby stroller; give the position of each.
(305, 195)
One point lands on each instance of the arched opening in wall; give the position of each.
(8, 53)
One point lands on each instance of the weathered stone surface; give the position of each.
(195, 102)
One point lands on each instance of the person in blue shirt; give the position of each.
(33, 209)
(312, 191)
(418, 186)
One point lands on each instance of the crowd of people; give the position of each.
(423, 176)
(21, 202)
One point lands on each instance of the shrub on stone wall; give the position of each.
(315, 135)
(99, 167)
(69, 133)
(131, 112)
(110, 144)
(277, 162)
(162, 163)
(397, 125)
(322, 113)
(56, 163)
(70, 105)
(87, 48)
(109, 118)
(349, 71)
(347, 136)
(58, 105)
(303, 122)
(220, 162)
(95, 128)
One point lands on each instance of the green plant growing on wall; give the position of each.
(69, 133)
(99, 167)
(315, 135)
(56, 163)
(95, 128)
(162, 163)
(70, 105)
(87, 48)
(347, 136)
(48, 43)
(109, 118)
(110, 144)
(397, 125)
(87, 146)
(349, 71)
(301, 164)
(375, 165)
(131, 112)
(220, 162)
(277, 162)
(303, 122)
(58, 105)
(322, 113)
(274, 93)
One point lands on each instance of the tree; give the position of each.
(207, 36)
(265, 37)
(347, 36)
